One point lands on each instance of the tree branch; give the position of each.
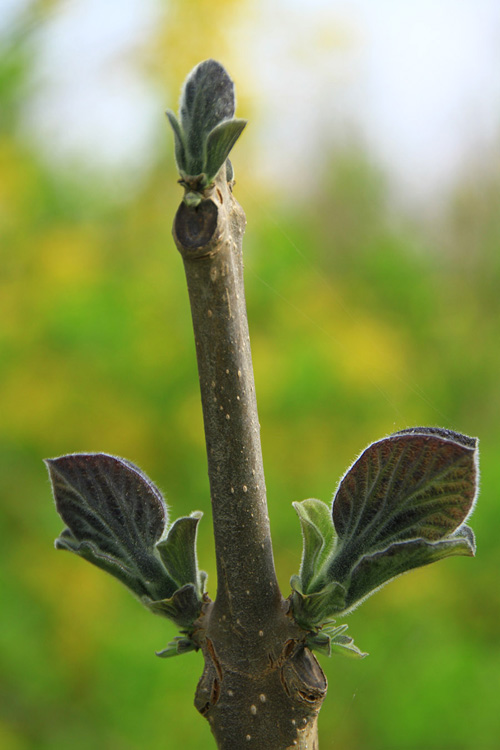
(209, 238)
(261, 686)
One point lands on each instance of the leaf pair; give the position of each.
(207, 130)
(400, 506)
(118, 520)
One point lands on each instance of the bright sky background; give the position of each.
(418, 83)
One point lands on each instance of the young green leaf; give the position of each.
(331, 637)
(318, 537)
(179, 645)
(220, 141)
(178, 551)
(207, 130)
(115, 516)
(183, 607)
(180, 145)
(206, 100)
(345, 645)
(313, 609)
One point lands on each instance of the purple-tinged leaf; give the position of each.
(400, 506)
(442, 432)
(115, 516)
(412, 485)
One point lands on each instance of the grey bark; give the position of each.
(261, 686)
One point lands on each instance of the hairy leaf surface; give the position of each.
(318, 538)
(178, 551)
(332, 638)
(220, 141)
(412, 485)
(183, 607)
(179, 143)
(115, 516)
(207, 130)
(315, 608)
(400, 506)
(206, 100)
(376, 569)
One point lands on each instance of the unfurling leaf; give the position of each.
(207, 99)
(183, 607)
(318, 536)
(345, 645)
(401, 505)
(332, 638)
(207, 131)
(310, 608)
(117, 519)
(179, 143)
(220, 141)
(179, 645)
(178, 551)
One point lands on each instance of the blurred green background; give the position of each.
(364, 319)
